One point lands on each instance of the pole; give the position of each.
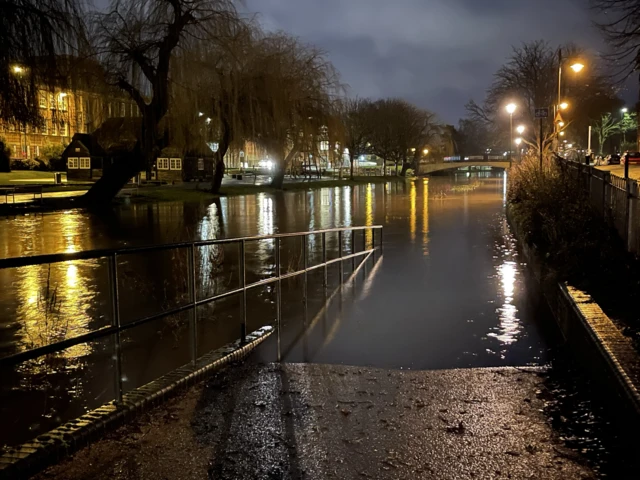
(556, 107)
(540, 144)
(510, 136)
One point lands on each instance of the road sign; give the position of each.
(542, 112)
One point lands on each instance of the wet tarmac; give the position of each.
(305, 421)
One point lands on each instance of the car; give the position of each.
(613, 159)
(634, 158)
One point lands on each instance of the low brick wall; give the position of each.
(28, 458)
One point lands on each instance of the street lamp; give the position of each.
(576, 67)
(624, 110)
(17, 69)
(425, 151)
(564, 106)
(520, 129)
(518, 141)
(510, 109)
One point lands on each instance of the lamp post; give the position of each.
(624, 132)
(576, 67)
(510, 109)
(518, 141)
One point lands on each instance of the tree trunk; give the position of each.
(116, 177)
(405, 167)
(278, 175)
(218, 164)
(351, 164)
(396, 168)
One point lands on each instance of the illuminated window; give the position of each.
(64, 129)
(54, 128)
(52, 101)
(43, 100)
(176, 164)
(85, 163)
(163, 164)
(324, 145)
(123, 110)
(16, 151)
(201, 164)
(37, 149)
(72, 162)
(12, 127)
(45, 128)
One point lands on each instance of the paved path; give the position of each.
(309, 421)
(634, 170)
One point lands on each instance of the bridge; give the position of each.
(496, 161)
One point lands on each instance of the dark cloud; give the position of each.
(436, 53)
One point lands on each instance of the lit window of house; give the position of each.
(52, 101)
(54, 128)
(64, 129)
(324, 145)
(16, 151)
(45, 128)
(176, 164)
(63, 101)
(123, 110)
(12, 127)
(37, 151)
(163, 164)
(201, 164)
(43, 100)
(85, 163)
(72, 162)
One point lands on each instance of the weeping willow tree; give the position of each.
(136, 41)
(34, 36)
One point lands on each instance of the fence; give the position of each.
(617, 199)
(114, 258)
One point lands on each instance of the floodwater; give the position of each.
(449, 290)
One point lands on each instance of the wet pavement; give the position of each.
(306, 421)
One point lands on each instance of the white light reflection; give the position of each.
(510, 326)
(504, 188)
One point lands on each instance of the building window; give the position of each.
(16, 151)
(324, 145)
(85, 163)
(12, 127)
(63, 102)
(123, 110)
(37, 149)
(72, 162)
(52, 101)
(45, 128)
(54, 128)
(176, 164)
(163, 164)
(80, 103)
(201, 164)
(64, 129)
(43, 100)
(137, 110)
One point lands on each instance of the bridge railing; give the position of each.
(114, 257)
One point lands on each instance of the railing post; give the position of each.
(115, 322)
(364, 248)
(381, 240)
(340, 254)
(306, 262)
(243, 284)
(193, 317)
(324, 258)
(278, 297)
(353, 250)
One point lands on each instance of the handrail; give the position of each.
(14, 262)
(194, 302)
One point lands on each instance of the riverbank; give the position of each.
(186, 192)
(580, 277)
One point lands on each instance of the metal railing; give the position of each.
(616, 198)
(112, 255)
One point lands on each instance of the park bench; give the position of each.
(34, 189)
(8, 192)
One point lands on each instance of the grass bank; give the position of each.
(555, 216)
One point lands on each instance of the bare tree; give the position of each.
(136, 40)
(604, 128)
(619, 24)
(34, 34)
(400, 131)
(355, 120)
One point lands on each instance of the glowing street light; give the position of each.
(17, 69)
(520, 129)
(624, 110)
(562, 134)
(413, 149)
(518, 141)
(564, 106)
(561, 124)
(425, 151)
(511, 108)
(200, 114)
(577, 67)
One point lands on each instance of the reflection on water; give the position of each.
(448, 292)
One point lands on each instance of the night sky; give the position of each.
(435, 53)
